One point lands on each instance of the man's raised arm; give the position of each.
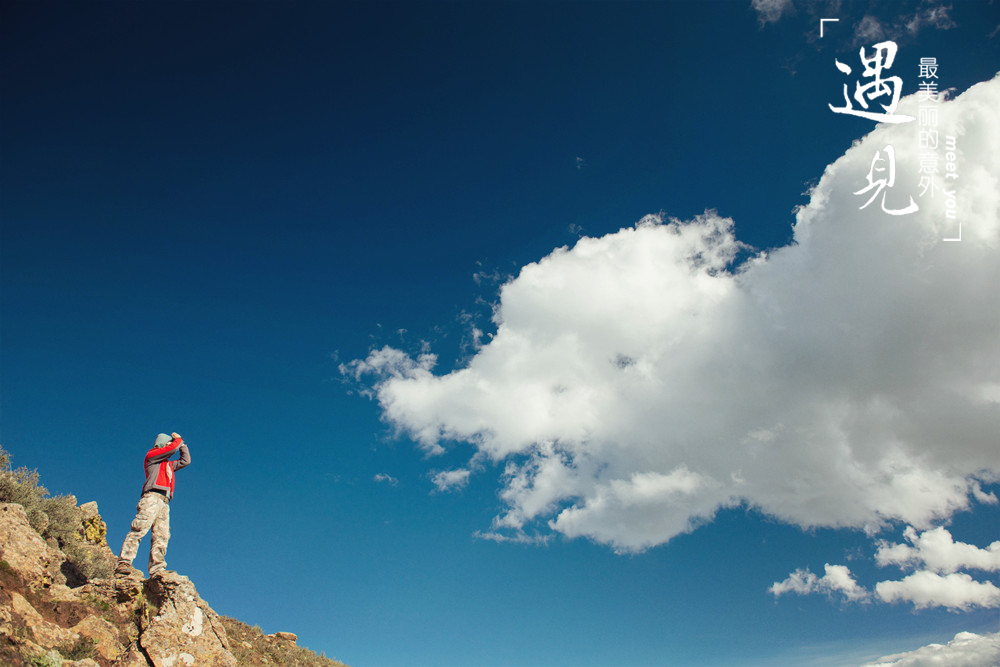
(185, 454)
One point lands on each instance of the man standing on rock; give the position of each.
(153, 510)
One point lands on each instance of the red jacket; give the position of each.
(160, 470)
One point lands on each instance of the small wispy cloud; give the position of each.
(451, 480)
(902, 25)
(868, 31)
(880, 21)
(517, 538)
(936, 16)
(771, 11)
(388, 479)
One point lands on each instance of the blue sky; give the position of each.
(252, 223)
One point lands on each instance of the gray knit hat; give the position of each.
(163, 440)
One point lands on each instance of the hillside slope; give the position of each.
(60, 605)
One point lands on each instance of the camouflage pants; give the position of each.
(153, 511)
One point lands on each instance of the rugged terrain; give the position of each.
(60, 605)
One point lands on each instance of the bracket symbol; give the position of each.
(821, 26)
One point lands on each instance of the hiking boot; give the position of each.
(161, 573)
(123, 569)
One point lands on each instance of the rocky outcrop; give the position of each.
(123, 622)
(51, 614)
(185, 631)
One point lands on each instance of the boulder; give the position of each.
(102, 633)
(92, 528)
(119, 590)
(45, 633)
(88, 510)
(285, 637)
(185, 631)
(25, 552)
(8, 628)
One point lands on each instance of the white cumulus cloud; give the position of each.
(637, 382)
(836, 580)
(957, 591)
(936, 550)
(936, 583)
(967, 649)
